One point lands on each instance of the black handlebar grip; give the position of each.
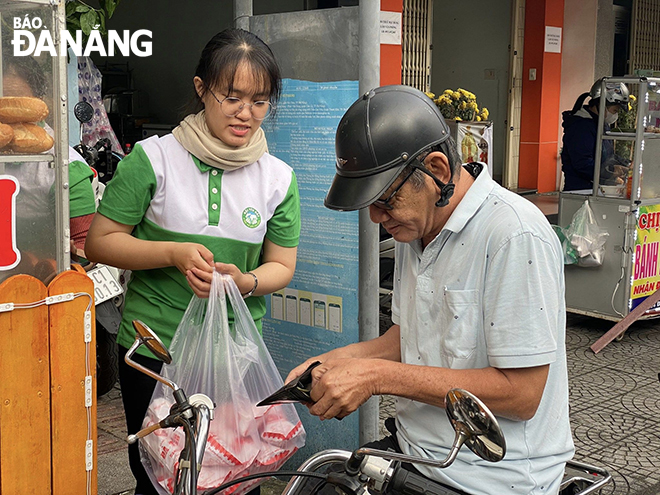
(409, 483)
(353, 464)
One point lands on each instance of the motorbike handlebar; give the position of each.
(131, 439)
(409, 483)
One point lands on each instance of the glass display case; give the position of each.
(625, 199)
(33, 140)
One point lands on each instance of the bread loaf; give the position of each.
(6, 135)
(30, 138)
(14, 109)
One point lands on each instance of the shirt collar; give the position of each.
(471, 202)
(203, 167)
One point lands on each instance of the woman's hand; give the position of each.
(244, 282)
(195, 261)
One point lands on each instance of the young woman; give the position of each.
(206, 196)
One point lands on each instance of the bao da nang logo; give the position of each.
(30, 39)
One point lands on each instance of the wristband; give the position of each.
(251, 291)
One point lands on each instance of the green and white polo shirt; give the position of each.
(169, 195)
(81, 192)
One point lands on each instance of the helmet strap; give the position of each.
(446, 192)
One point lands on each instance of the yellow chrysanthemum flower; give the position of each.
(633, 97)
(430, 95)
(456, 95)
(478, 119)
(457, 118)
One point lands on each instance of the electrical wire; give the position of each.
(318, 487)
(88, 369)
(269, 474)
(616, 288)
(192, 470)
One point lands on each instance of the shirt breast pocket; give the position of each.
(460, 323)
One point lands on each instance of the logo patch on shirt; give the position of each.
(251, 217)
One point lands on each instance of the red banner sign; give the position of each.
(9, 253)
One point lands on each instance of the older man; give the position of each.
(478, 300)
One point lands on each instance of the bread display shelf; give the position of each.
(16, 158)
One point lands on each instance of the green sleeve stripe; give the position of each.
(127, 196)
(284, 226)
(81, 192)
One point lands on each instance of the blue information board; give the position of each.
(318, 311)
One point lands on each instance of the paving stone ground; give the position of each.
(614, 397)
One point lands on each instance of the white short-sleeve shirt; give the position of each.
(487, 291)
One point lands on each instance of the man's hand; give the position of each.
(340, 353)
(340, 386)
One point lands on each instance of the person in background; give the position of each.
(478, 301)
(208, 196)
(580, 125)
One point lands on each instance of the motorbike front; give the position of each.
(100, 156)
(108, 290)
(361, 472)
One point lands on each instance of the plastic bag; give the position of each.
(586, 237)
(230, 364)
(89, 90)
(570, 255)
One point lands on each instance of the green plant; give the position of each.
(81, 16)
(459, 105)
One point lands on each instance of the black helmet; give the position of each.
(376, 138)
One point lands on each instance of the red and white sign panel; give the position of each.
(9, 253)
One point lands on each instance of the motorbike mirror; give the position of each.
(475, 427)
(147, 337)
(83, 111)
(472, 419)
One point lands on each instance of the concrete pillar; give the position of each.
(390, 55)
(539, 136)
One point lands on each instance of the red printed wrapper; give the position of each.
(227, 456)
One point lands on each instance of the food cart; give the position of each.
(47, 338)
(629, 212)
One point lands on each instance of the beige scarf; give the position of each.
(194, 135)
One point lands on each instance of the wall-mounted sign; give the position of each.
(390, 28)
(552, 39)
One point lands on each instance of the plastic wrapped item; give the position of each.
(230, 364)
(570, 255)
(89, 89)
(586, 237)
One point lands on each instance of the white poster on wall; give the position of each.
(552, 39)
(390, 28)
